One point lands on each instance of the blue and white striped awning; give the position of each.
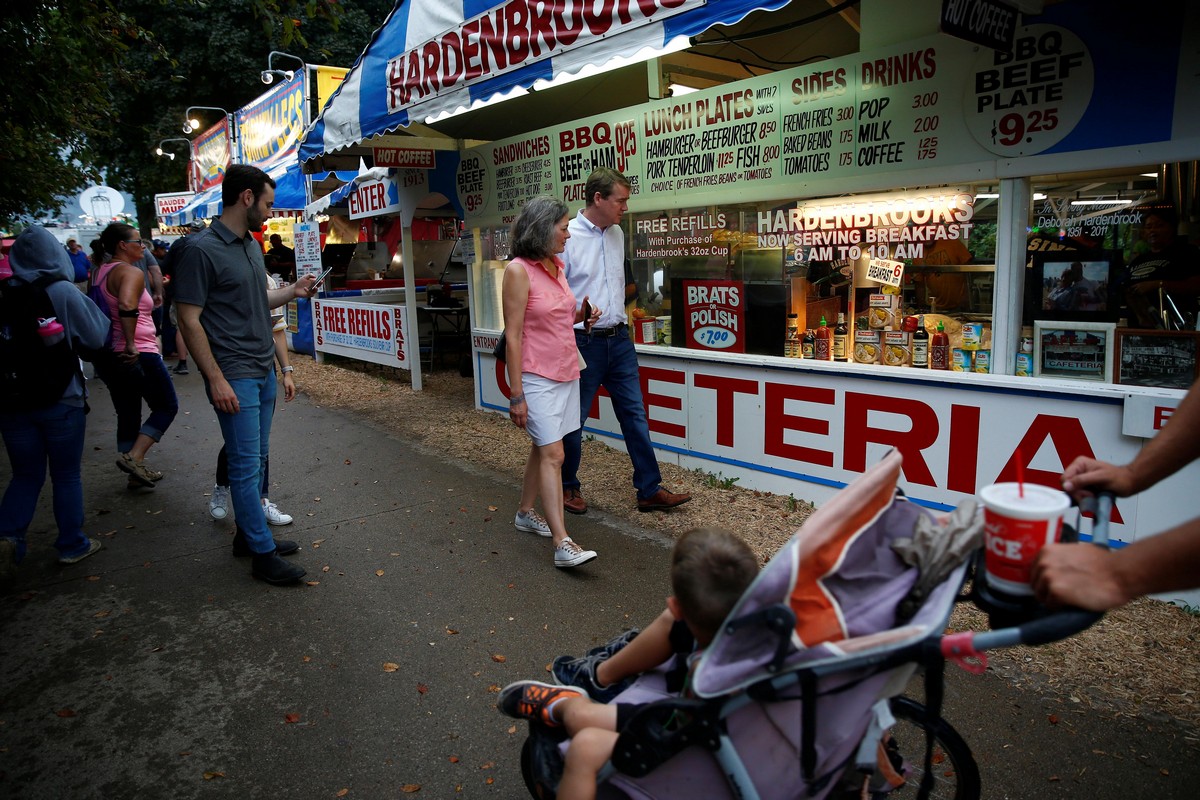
(437, 57)
(205, 205)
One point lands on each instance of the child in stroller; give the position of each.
(710, 570)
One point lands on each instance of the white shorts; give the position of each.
(553, 408)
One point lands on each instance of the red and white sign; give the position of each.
(366, 331)
(714, 315)
(372, 198)
(404, 158)
(885, 271)
(171, 202)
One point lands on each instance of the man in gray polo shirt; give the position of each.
(224, 314)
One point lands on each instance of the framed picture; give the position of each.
(1075, 350)
(1073, 286)
(1156, 358)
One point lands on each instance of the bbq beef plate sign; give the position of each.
(511, 36)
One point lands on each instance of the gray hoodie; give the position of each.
(37, 257)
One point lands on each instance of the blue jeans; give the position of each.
(247, 437)
(32, 438)
(612, 362)
(129, 384)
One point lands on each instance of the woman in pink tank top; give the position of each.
(135, 370)
(543, 366)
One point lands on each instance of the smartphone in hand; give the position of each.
(587, 316)
(321, 278)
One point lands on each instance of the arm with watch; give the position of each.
(285, 369)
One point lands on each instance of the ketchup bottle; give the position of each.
(939, 349)
(824, 344)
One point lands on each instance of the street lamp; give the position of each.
(191, 124)
(160, 152)
(269, 74)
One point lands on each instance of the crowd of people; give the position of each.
(55, 311)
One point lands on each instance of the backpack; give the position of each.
(97, 297)
(33, 374)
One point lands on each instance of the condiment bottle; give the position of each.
(841, 336)
(823, 348)
(791, 345)
(808, 345)
(939, 348)
(920, 345)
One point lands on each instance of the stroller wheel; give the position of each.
(955, 773)
(541, 763)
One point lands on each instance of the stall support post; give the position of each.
(413, 342)
(1011, 243)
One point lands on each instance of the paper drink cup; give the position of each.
(1016, 528)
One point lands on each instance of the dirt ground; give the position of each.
(1140, 661)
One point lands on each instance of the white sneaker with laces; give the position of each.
(274, 515)
(218, 503)
(570, 554)
(532, 522)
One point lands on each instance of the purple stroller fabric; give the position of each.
(844, 582)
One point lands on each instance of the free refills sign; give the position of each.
(714, 314)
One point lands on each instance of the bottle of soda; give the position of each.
(841, 336)
(808, 345)
(920, 345)
(823, 348)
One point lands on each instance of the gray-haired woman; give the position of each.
(543, 365)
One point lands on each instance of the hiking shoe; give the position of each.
(274, 515)
(274, 570)
(181, 368)
(615, 644)
(531, 700)
(570, 554)
(662, 500)
(581, 673)
(241, 547)
(93, 546)
(532, 522)
(218, 504)
(573, 502)
(137, 470)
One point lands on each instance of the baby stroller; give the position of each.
(795, 695)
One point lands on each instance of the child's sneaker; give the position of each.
(531, 700)
(617, 643)
(218, 504)
(570, 554)
(532, 522)
(581, 673)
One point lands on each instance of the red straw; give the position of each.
(1020, 473)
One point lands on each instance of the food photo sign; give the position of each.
(714, 314)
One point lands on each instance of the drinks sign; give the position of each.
(714, 315)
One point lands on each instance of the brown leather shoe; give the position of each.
(573, 502)
(662, 500)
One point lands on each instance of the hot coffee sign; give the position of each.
(714, 315)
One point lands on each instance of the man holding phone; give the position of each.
(595, 265)
(224, 315)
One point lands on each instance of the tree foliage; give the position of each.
(93, 85)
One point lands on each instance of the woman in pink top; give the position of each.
(135, 371)
(543, 365)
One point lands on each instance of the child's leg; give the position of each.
(648, 649)
(590, 750)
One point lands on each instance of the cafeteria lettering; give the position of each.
(369, 322)
(505, 38)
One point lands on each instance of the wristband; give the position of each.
(512, 401)
(131, 312)
(288, 368)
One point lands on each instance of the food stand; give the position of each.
(921, 176)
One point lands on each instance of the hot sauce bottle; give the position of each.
(939, 349)
(823, 348)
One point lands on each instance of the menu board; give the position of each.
(839, 126)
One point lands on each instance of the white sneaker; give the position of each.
(218, 504)
(569, 554)
(274, 515)
(532, 522)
